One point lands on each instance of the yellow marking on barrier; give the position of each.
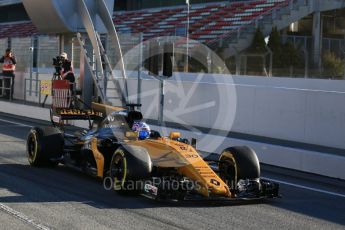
(46, 87)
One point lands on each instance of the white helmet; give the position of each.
(142, 128)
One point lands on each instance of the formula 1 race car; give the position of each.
(131, 158)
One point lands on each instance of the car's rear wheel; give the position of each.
(238, 163)
(43, 146)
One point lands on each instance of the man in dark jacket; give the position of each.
(8, 68)
(67, 70)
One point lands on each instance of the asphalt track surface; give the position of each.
(61, 198)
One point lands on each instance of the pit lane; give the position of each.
(65, 199)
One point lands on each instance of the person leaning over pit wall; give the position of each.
(8, 68)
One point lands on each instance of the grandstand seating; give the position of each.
(21, 29)
(207, 22)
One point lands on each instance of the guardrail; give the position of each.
(3, 87)
(36, 91)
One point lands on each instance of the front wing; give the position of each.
(247, 191)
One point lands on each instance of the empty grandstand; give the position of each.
(208, 22)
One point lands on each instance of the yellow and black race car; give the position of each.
(131, 158)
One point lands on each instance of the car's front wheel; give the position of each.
(118, 170)
(238, 163)
(128, 168)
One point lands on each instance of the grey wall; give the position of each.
(304, 110)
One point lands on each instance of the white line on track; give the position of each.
(306, 187)
(16, 123)
(22, 217)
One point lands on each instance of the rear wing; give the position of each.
(96, 112)
(77, 114)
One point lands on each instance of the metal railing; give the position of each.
(46, 49)
(4, 88)
(30, 91)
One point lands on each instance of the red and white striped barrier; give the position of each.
(61, 94)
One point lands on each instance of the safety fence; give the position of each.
(34, 56)
(5, 87)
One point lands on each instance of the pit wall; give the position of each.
(303, 110)
(309, 111)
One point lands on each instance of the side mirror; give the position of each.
(174, 135)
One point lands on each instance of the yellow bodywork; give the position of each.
(165, 152)
(99, 158)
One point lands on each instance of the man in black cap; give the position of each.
(8, 67)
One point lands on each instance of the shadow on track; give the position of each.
(66, 185)
(63, 184)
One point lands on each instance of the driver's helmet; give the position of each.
(142, 128)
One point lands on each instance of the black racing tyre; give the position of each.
(44, 144)
(126, 171)
(236, 163)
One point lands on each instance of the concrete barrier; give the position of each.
(303, 160)
(302, 110)
(307, 111)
